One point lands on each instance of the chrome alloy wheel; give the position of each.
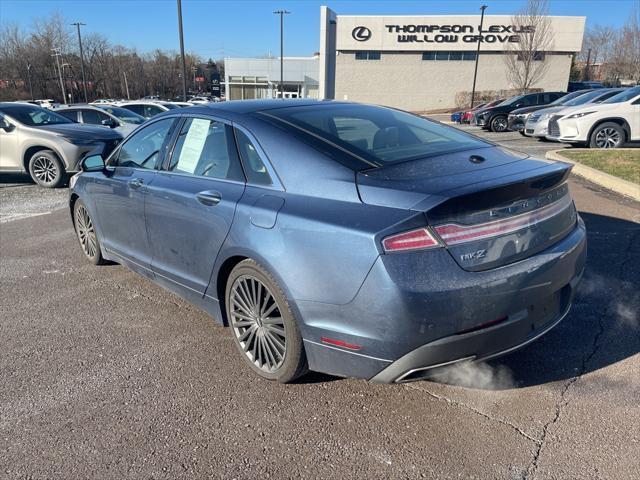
(44, 169)
(257, 323)
(86, 232)
(608, 138)
(500, 124)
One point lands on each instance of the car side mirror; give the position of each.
(93, 163)
(6, 126)
(109, 122)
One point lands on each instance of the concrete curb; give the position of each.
(618, 185)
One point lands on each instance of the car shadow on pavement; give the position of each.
(603, 326)
(18, 179)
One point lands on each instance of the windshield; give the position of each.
(33, 116)
(377, 136)
(586, 98)
(568, 97)
(169, 105)
(624, 96)
(123, 114)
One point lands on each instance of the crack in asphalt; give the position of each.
(456, 403)
(533, 466)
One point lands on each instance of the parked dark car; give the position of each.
(46, 145)
(495, 118)
(573, 86)
(517, 119)
(350, 239)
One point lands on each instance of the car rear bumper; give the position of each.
(399, 326)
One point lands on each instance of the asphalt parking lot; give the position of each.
(105, 375)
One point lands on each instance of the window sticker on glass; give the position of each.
(193, 145)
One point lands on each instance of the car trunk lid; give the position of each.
(489, 207)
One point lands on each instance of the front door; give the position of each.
(191, 204)
(120, 193)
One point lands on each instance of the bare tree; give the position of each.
(525, 61)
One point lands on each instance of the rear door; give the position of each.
(192, 202)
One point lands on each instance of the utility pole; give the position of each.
(84, 80)
(475, 72)
(29, 76)
(57, 54)
(282, 13)
(184, 66)
(126, 84)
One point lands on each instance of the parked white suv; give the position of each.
(609, 124)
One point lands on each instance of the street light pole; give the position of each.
(282, 13)
(84, 80)
(475, 72)
(57, 54)
(184, 65)
(29, 76)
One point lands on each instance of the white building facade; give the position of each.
(251, 78)
(421, 63)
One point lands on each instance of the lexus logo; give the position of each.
(361, 34)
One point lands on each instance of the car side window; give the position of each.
(151, 110)
(254, 168)
(71, 115)
(139, 109)
(92, 117)
(205, 148)
(143, 149)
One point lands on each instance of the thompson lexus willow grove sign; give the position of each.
(450, 33)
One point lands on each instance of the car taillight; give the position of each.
(453, 233)
(411, 240)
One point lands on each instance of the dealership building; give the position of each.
(416, 63)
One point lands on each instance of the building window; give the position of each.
(449, 55)
(367, 55)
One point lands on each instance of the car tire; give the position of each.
(522, 133)
(46, 169)
(262, 324)
(498, 124)
(86, 233)
(607, 135)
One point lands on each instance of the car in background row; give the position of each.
(574, 86)
(518, 117)
(47, 145)
(147, 108)
(538, 122)
(102, 101)
(609, 124)
(495, 118)
(120, 119)
(468, 116)
(409, 244)
(456, 117)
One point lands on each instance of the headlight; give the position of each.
(79, 141)
(581, 114)
(524, 116)
(545, 116)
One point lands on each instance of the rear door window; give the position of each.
(206, 148)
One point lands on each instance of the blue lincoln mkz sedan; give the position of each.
(350, 239)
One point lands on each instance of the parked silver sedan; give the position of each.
(47, 145)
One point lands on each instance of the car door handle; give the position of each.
(209, 198)
(136, 183)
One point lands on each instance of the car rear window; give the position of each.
(377, 136)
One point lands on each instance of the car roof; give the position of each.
(251, 106)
